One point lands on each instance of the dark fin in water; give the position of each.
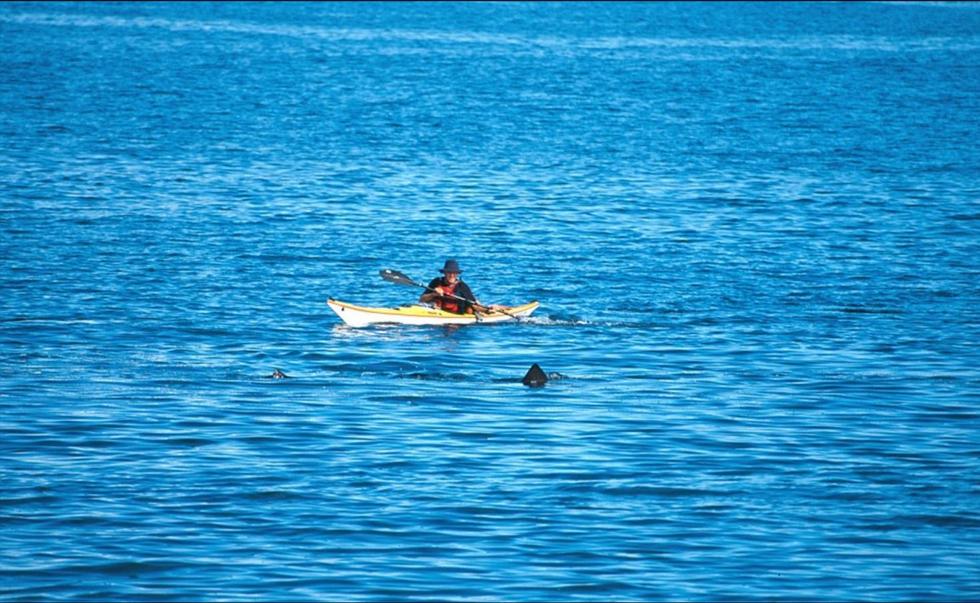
(277, 374)
(535, 377)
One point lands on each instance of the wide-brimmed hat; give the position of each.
(451, 266)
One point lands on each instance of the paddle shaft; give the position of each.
(402, 279)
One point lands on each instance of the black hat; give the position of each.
(451, 266)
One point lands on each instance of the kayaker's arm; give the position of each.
(485, 309)
(433, 293)
(430, 296)
(475, 307)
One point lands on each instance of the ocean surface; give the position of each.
(754, 230)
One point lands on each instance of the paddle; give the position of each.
(393, 276)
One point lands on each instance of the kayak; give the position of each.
(360, 316)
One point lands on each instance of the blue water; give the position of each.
(754, 231)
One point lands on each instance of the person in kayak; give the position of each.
(440, 288)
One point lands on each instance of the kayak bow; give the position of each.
(361, 316)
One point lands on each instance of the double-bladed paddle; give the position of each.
(393, 276)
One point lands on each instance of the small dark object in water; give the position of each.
(277, 374)
(535, 377)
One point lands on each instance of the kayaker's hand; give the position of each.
(438, 290)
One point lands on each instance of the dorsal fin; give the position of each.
(535, 377)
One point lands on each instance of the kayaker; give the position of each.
(451, 284)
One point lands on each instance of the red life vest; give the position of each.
(447, 303)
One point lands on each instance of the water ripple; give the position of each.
(753, 232)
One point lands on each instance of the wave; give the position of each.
(558, 321)
(878, 43)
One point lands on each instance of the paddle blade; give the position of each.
(393, 276)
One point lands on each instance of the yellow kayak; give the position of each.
(360, 316)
